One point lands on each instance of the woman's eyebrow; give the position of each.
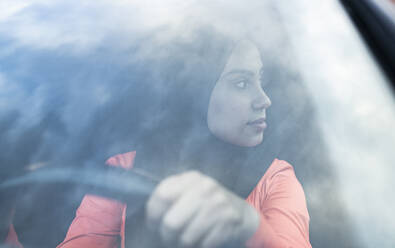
(239, 71)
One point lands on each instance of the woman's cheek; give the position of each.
(240, 110)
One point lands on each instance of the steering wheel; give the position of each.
(131, 187)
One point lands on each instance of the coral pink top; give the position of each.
(279, 197)
(12, 238)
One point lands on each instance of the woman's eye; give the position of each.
(241, 84)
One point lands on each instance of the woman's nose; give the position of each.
(261, 102)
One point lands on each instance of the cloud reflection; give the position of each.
(62, 63)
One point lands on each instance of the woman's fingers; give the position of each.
(215, 225)
(216, 238)
(180, 215)
(166, 194)
(193, 210)
(184, 212)
(198, 228)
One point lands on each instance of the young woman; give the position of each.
(198, 125)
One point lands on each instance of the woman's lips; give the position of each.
(259, 124)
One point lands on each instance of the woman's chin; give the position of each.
(250, 141)
(254, 143)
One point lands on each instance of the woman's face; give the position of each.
(237, 108)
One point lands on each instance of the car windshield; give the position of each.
(83, 81)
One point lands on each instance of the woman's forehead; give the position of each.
(245, 58)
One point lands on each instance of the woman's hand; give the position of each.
(193, 210)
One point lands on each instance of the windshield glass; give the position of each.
(167, 81)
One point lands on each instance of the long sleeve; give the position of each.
(284, 219)
(12, 238)
(99, 222)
